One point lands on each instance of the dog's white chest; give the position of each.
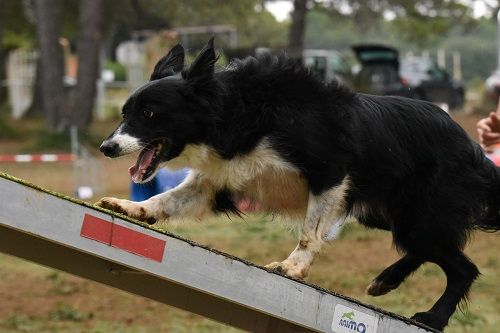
(234, 173)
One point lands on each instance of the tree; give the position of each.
(15, 31)
(3, 53)
(47, 14)
(255, 25)
(78, 21)
(417, 21)
(88, 46)
(297, 29)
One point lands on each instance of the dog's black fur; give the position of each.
(413, 170)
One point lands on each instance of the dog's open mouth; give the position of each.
(148, 161)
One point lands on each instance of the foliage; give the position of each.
(19, 322)
(416, 21)
(19, 23)
(118, 69)
(255, 25)
(47, 140)
(476, 45)
(7, 131)
(341, 33)
(478, 49)
(18, 31)
(61, 285)
(67, 312)
(410, 25)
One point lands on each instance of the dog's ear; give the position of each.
(170, 64)
(203, 65)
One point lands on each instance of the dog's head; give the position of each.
(166, 113)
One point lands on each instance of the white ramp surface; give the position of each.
(78, 238)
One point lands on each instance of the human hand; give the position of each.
(488, 130)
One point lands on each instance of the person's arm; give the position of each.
(488, 130)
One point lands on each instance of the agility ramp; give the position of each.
(96, 244)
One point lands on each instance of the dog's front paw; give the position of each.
(289, 268)
(126, 207)
(114, 204)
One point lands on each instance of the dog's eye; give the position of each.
(147, 114)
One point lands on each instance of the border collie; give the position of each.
(265, 128)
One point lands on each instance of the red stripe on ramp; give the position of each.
(97, 229)
(138, 243)
(123, 238)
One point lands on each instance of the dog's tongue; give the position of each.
(143, 161)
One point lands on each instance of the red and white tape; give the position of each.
(28, 158)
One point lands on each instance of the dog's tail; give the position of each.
(491, 220)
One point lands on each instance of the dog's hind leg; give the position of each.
(323, 212)
(394, 275)
(460, 273)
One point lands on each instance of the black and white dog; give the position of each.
(265, 128)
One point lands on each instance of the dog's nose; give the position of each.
(110, 148)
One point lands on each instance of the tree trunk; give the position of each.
(297, 29)
(87, 47)
(36, 107)
(3, 55)
(47, 14)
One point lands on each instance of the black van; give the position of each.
(383, 73)
(379, 72)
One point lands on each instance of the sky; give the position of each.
(280, 9)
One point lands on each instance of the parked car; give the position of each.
(383, 73)
(328, 65)
(429, 82)
(379, 71)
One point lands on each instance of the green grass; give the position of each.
(7, 130)
(49, 141)
(67, 312)
(32, 136)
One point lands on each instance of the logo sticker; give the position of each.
(347, 320)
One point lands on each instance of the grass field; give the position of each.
(39, 299)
